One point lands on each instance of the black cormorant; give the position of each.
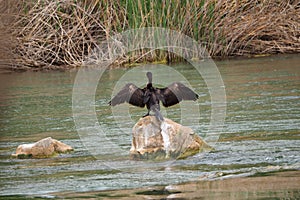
(150, 96)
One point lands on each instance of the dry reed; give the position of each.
(56, 33)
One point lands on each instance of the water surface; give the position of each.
(260, 135)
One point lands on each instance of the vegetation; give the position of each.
(55, 33)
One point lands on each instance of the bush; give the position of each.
(56, 33)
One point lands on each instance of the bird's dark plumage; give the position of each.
(150, 96)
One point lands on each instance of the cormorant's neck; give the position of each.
(149, 85)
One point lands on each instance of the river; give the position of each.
(259, 137)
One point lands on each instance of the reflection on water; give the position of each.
(261, 133)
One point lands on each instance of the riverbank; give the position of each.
(63, 34)
(277, 185)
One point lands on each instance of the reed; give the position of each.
(56, 33)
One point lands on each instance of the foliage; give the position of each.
(55, 33)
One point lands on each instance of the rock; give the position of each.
(153, 139)
(46, 147)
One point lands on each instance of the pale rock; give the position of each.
(153, 139)
(46, 147)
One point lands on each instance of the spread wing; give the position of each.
(130, 93)
(175, 93)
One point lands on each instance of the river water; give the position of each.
(260, 135)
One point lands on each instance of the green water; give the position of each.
(260, 135)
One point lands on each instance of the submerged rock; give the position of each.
(153, 139)
(46, 147)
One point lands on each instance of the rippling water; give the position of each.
(260, 134)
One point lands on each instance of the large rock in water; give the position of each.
(153, 139)
(46, 147)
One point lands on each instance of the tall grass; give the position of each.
(55, 33)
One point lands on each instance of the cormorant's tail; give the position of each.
(155, 109)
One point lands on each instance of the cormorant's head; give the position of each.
(149, 75)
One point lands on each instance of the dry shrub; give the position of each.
(55, 33)
(257, 27)
(60, 32)
(8, 12)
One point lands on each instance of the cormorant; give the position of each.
(150, 96)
